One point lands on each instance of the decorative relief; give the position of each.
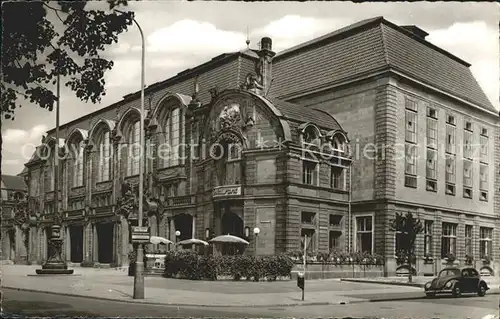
(230, 116)
(168, 174)
(103, 186)
(76, 191)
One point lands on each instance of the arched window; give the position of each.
(338, 143)
(134, 149)
(104, 157)
(229, 163)
(78, 165)
(170, 152)
(310, 135)
(50, 170)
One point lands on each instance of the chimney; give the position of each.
(266, 55)
(415, 30)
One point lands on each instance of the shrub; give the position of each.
(337, 257)
(189, 265)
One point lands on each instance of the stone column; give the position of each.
(95, 239)
(124, 241)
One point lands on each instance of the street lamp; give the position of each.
(256, 232)
(139, 264)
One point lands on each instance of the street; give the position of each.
(17, 302)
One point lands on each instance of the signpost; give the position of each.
(140, 235)
(301, 276)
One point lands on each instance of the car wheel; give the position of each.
(482, 291)
(430, 294)
(456, 291)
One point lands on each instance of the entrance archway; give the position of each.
(105, 243)
(76, 241)
(184, 224)
(232, 224)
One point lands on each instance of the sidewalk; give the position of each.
(110, 284)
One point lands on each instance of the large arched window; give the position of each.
(104, 157)
(228, 157)
(78, 153)
(50, 169)
(170, 152)
(134, 149)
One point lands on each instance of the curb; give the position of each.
(384, 282)
(184, 305)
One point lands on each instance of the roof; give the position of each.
(12, 182)
(302, 114)
(367, 47)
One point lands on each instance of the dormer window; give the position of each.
(311, 135)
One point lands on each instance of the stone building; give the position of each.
(423, 137)
(13, 196)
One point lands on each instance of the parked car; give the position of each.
(456, 281)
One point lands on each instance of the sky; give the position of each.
(181, 35)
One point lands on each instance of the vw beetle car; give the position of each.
(456, 281)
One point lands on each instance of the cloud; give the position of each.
(195, 37)
(18, 146)
(16, 136)
(292, 30)
(477, 44)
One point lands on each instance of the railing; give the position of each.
(180, 201)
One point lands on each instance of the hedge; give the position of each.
(190, 265)
(337, 257)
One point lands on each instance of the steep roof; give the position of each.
(299, 113)
(12, 182)
(366, 47)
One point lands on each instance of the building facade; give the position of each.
(268, 147)
(13, 204)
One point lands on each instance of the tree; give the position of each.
(43, 39)
(408, 228)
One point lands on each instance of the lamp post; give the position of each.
(177, 234)
(256, 232)
(139, 264)
(55, 265)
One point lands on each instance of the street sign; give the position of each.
(140, 234)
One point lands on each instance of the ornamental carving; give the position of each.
(103, 186)
(77, 191)
(230, 116)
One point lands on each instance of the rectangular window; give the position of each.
(431, 112)
(484, 149)
(483, 177)
(310, 235)
(450, 169)
(364, 234)
(337, 177)
(468, 126)
(467, 173)
(411, 126)
(468, 240)
(410, 165)
(485, 242)
(450, 119)
(309, 172)
(450, 139)
(467, 150)
(431, 168)
(410, 104)
(233, 166)
(78, 166)
(449, 240)
(484, 131)
(307, 218)
(428, 238)
(432, 132)
(334, 240)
